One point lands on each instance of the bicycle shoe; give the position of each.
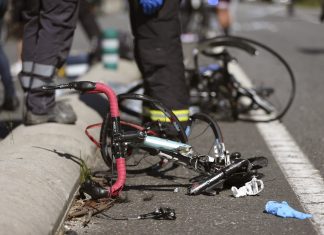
(61, 113)
(93, 189)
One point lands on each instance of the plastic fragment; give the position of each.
(250, 188)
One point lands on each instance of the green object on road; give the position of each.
(85, 172)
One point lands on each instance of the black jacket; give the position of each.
(3, 7)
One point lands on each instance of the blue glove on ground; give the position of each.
(150, 6)
(282, 209)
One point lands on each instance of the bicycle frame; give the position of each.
(171, 150)
(235, 89)
(220, 89)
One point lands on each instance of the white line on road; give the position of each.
(305, 180)
(302, 176)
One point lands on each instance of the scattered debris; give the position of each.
(148, 197)
(250, 188)
(161, 213)
(88, 208)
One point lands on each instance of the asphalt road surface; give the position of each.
(299, 40)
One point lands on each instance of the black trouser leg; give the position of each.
(6, 78)
(158, 53)
(88, 20)
(48, 35)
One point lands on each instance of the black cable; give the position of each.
(161, 213)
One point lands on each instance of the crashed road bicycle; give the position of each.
(118, 138)
(219, 86)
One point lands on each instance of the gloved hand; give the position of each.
(282, 209)
(151, 6)
(213, 3)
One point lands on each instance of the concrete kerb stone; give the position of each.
(39, 170)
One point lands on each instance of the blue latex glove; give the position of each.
(213, 3)
(150, 6)
(282, 209)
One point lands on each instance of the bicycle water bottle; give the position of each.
(110, 47)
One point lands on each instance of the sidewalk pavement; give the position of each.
(39, 170)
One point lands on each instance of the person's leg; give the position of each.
(5, 74)
(48, 35)
(58, 19)
(31, 16)
(322, 11)
(185, 15)
(10, 100)
(91, 27)
(158, 52)
(223, 16)
(88, 20)
(36, 102)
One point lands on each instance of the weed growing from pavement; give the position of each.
(85, 172)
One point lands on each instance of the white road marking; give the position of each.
(302, 176)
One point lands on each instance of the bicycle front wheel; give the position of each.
(204, 134)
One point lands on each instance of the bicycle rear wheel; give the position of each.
(272, 85)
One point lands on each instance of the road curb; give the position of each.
(39, 170)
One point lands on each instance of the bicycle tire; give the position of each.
(105, 132)
(105, 139)
(159, 106)
(204, 132)
(238, 42)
